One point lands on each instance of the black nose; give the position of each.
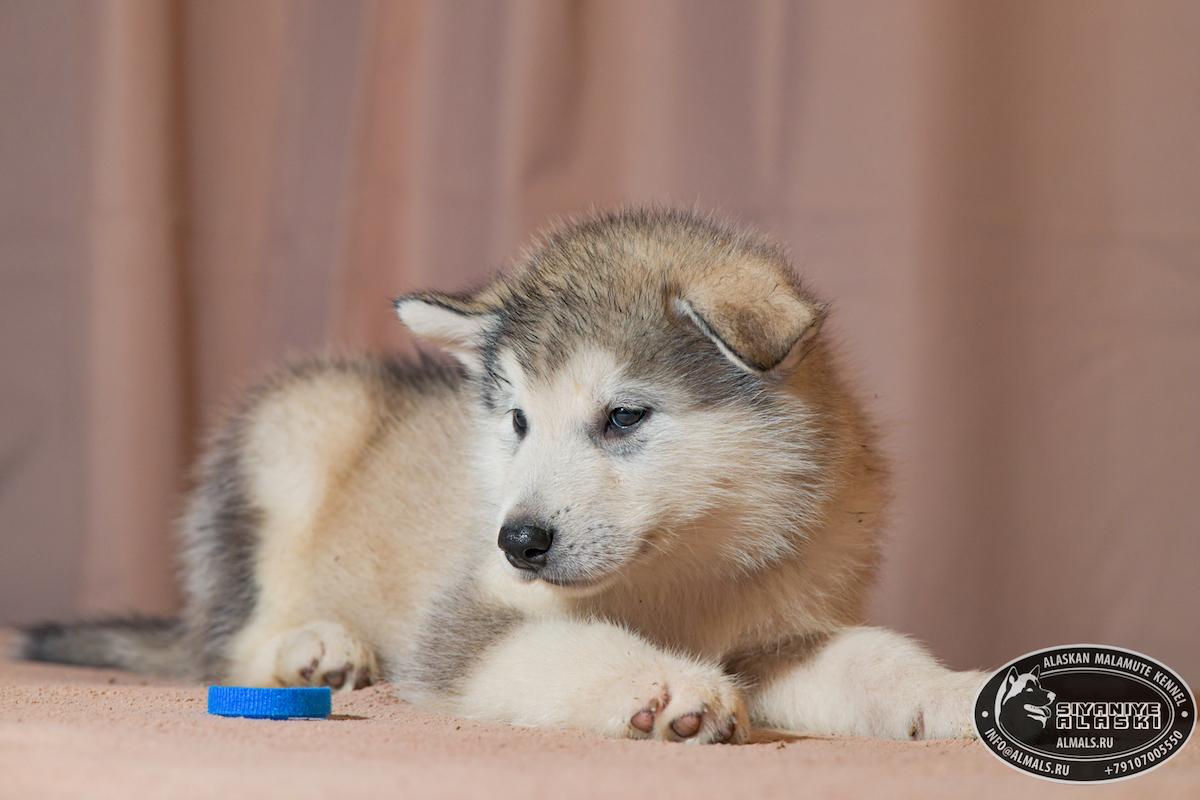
(526, 545)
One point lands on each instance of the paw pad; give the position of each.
(688, 725)
(336, 678)
(644, 719)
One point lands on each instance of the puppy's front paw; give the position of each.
(697, 705)
(324, 654)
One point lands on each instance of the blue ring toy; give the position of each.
(241, 701)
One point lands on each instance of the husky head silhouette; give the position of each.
(1022, 705)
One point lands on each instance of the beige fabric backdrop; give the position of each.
(1002, 199)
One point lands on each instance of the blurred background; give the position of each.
(1002, 200)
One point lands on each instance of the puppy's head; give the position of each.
(637, 374)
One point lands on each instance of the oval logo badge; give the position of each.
(1084, 713)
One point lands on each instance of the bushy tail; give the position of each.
(154, 645)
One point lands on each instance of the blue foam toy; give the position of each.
(241, 701)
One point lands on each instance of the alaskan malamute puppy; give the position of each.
(643, 503)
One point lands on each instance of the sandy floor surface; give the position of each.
(67, 732)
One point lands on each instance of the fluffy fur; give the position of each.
(709, 563)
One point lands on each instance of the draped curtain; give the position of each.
(1002, 200)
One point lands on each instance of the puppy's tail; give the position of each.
(154, 645)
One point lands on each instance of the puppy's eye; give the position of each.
(520, 424)
(622, 418)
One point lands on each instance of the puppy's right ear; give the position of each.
(1011, 678)
(457, 324)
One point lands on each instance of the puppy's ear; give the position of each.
(1011, 677)
(457, 324)
(1036, 671)
(755, 314)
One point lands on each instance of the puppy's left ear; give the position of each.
(457, 324)
(756, 315)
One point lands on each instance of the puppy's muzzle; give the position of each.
(526, 545)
